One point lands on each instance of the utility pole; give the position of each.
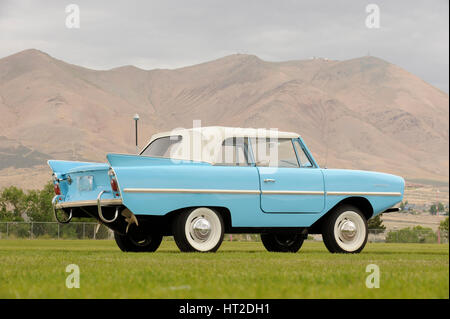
(136, 119)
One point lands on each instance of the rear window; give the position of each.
(163, 146)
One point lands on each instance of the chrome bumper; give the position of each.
(105, 202)
(98, 202)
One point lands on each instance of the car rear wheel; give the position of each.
(345, 230)
(200, 229)
(141, 243)
(286, 243)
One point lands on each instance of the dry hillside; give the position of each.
(363, 113)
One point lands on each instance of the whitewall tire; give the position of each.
(199, 229)
(345, 230)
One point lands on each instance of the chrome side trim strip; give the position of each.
(366, 193)
(249, 191)
(190, 191)
(105, 202)
(293, 193)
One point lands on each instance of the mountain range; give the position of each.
(362, 113)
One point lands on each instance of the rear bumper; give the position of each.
(86, 206)
(104, 202)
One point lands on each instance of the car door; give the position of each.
(289, 180)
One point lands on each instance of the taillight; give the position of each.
(57, 189)
(114, 185)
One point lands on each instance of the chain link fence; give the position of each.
(86, 230)
(408, 235)
(53, 230)
(405, 235)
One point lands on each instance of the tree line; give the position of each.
(32, 206)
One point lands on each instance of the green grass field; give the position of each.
(36, 269)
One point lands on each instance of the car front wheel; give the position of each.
(285, 243)
(345, 230)
(199, 229)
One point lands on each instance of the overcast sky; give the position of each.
(175, 33)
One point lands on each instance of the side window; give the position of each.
(302, 157)
(274, 152)
(234, 152)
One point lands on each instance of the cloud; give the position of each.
(175, 33)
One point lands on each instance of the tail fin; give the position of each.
(62, 167)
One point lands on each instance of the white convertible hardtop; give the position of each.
(204, 143)
(226, 132)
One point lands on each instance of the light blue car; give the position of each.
(197, 184)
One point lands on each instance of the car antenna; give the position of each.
(136, 119)
(326, 139)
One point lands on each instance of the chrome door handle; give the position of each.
(267, 180)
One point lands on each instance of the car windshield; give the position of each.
(162, 147)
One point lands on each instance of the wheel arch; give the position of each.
(361, 203)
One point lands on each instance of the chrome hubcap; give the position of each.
(200, 229)
(348, 230)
